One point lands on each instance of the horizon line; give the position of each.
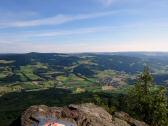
(92, 52)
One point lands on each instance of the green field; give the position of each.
(58, 80)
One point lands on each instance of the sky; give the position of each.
(69, 26)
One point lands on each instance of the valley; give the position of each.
(61, 79)
(92, 72)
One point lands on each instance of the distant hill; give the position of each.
(18, 67)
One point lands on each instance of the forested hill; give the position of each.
(41, 66)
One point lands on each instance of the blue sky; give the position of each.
(83, 25)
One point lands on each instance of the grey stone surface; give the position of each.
(75, 115)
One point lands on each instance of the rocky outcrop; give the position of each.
(75, 115)
(133, 122)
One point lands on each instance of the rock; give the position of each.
(133, 122)
(75, 115)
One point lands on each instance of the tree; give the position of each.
(145, 80)
(147, 101)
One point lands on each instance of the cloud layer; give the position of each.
(55, 20)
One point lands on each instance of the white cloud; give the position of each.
(71, 32)
(56, 20)
(107, 2)
(154, 26)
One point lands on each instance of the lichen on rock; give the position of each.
(75, 115)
